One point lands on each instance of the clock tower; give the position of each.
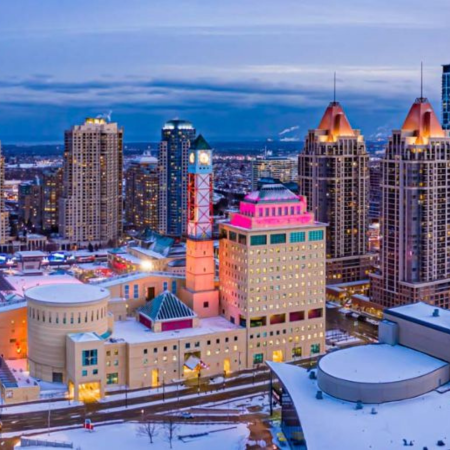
(200, 293)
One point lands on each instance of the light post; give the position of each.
(198, 381)
(163, 393)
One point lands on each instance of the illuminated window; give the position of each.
(89, 357)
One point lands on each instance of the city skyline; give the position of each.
(147, 65)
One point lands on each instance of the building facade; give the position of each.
(446, 97)
(4, 217)
(52, 181)
(272, 275)
(415, 193)
(30, 204)
(141, 193)
(283, 169)
(176, 139)
(91, 203)
(334, 177)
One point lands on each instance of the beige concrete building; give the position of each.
(272, 275)
(91, 203)
(334, 177)
(415, 193)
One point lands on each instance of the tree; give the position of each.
(171, 428)
(149, 429)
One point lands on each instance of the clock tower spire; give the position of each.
(200, 293)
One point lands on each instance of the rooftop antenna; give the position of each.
(421, 80)
(334, 88)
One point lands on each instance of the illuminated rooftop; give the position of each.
(178, 124)
(335, 122)
(422, 122)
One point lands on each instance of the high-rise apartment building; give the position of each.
(91, 203)
(375, 189)
(177, 136)
(4, 217)
(52, 181)
(414, 227)
(30, 204)
(272, 275)
(334, 177)
(283, 169)
(141, 193)
(446, 97)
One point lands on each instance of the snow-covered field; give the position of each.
(126, 436)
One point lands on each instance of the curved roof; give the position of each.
(335, 122)
(422, 120)
(67, 294)
(378, 363)
(272, 193)
(167, 306)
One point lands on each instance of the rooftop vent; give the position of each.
(436, 313)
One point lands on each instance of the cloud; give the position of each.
(288, 130)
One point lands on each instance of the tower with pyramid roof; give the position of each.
(334, 177)
(415, 195)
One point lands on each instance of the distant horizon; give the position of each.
(238, 71)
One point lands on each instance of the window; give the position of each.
(296, 352)
(316, 235)
(136, 291)
(84, 373)
(258, 240)
(89, 357)
(145, 351)
(258, 358)
(187, 345)
(233, 236)
(165, 286)
(174, 287)
(243, 239)
(127, 291)
(297, 237)
(315, 313)
(315, 348)
(278, 238)
(95, 372)
(112, 378)
(205, 304)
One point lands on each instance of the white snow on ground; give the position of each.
(141, 393)
(32, 407)
(335, 424)
(124, 436)
(174, 400)
(378, 363)
(339, 337)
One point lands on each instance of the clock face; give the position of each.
(204, 158)
(192, 158)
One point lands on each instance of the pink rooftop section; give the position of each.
(274, 206)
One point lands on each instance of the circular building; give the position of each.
(55, 311)
(380, 373)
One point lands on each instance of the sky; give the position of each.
(238, 70)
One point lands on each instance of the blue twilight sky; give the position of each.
(238, 69)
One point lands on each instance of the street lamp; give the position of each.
(198, 382)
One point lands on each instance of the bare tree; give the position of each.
(149, 429)
(171, 428)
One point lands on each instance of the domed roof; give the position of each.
(67, 294)
(272, 193)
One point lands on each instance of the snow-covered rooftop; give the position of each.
(134, 332)
(336, 424)
(378, 363)
(423, 313)
(67, 294)
(22, 283)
